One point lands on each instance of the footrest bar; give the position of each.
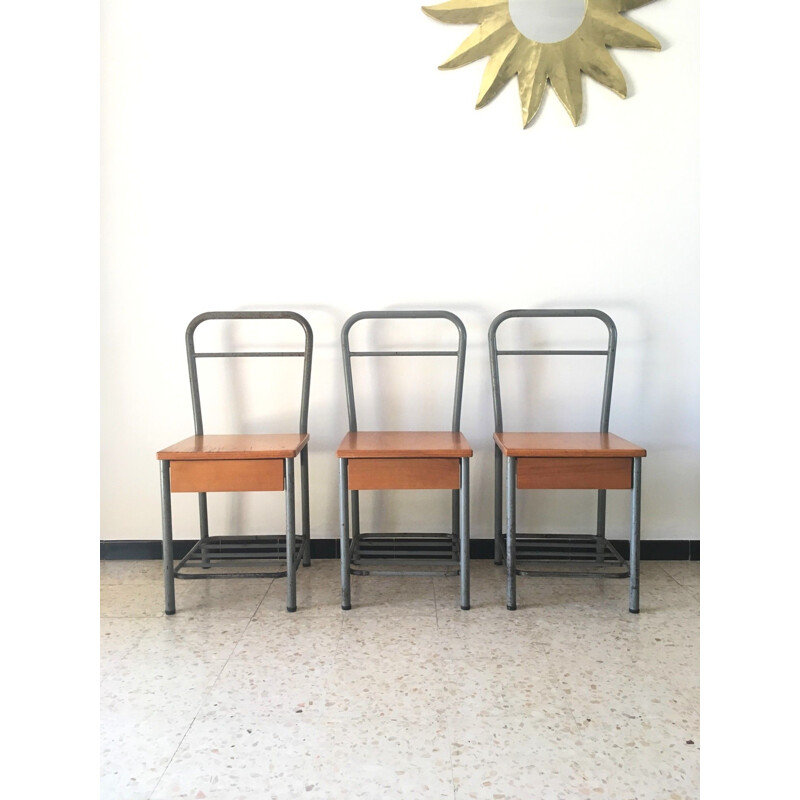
(575, 555)
(207, 554)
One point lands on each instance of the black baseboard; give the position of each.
(651, 550)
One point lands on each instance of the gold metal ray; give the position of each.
(490, 36)
(629, 5)
(465, 11)
(502, 67)
(561, 63)
(531, 81)
(604, 21)
(597, 63)
(565, 77)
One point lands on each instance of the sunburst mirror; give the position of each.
(567, 43)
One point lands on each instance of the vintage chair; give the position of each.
(379, 460)
(600, 461)
(238, 463)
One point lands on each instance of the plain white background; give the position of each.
(49, 60)
(254, 159)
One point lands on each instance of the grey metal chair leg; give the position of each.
(600, 547)
(304, 505)
(202, 500)
(498, 505)
(455, 516)
(636, 515)
(291, 572)
(511, 533)
(355, 512)
(166, 528)
(464, 533)
(344, 533)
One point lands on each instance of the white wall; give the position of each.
(271, 156)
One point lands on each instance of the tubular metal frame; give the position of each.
(209, 551)
(554, 554)
(419, 553)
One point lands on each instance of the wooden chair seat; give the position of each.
(566, 445)
(235, 446)
(404, 459)
(404, 444)
(570, 460)
(231, 463)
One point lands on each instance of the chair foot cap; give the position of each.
(291, 610)
(465, 608)
(633, 610)
(511, 608)
(346, 608)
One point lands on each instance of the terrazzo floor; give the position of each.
(404, 696)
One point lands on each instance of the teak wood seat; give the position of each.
(410, 460)
(238, 463)
(558, 460)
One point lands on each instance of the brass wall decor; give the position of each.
(534, 63)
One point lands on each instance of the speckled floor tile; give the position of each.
(233, 597)
(393, 631)
(487, 589)
(146, 707)
(510, 755)
(489, 633)
(135, 751)
(648, 756)
(318, 592)
(271, 690)
(290, 638)
(127, 572)
(686, 573)
(134, 599)
(336, 756)
(193, 638)
(404, 684)
(371, 593)
(481, 687)
(405, 695)
(119, 636)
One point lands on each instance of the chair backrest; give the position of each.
(193, 355)
(459, 353)
(609, 353)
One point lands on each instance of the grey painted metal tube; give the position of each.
(231, 315)
(166, 529)
(498, 505)
(460, 354)
(202, 501)
(464, 533)
(610, 354)
(355, 525)
(636, 515)
(601, 524)
(511, 530)
(291, 572)
(304, 507)
(344, 534)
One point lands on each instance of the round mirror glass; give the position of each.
(547, 20)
